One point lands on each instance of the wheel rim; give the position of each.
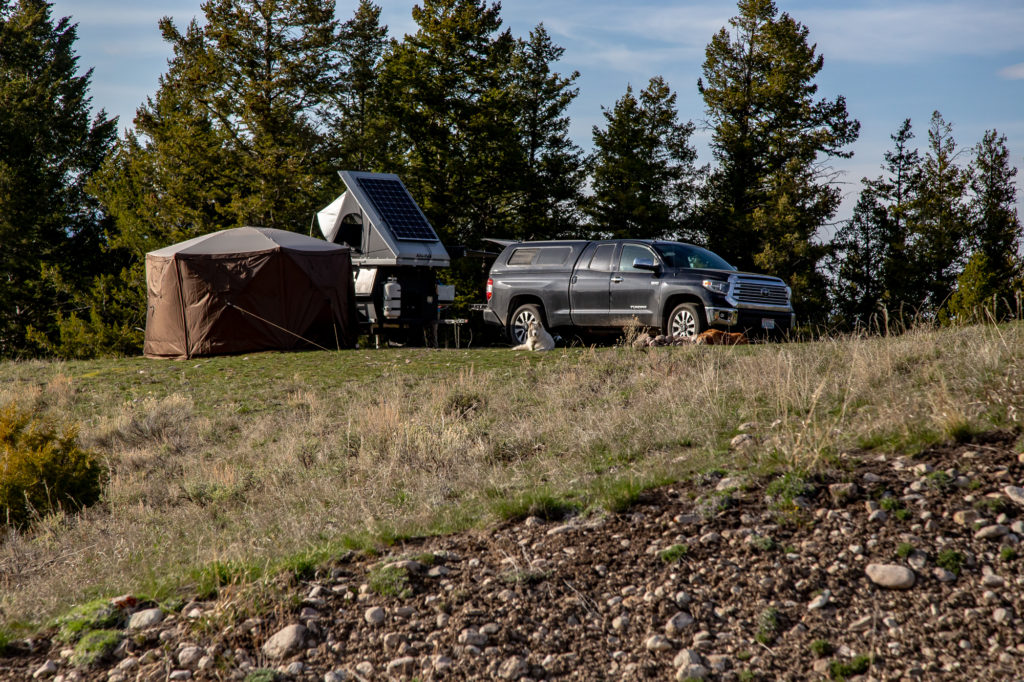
(520, 324)
(684, 324)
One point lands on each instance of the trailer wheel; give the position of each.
(520, 321)
(685, 320)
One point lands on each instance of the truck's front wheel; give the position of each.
(685, 320)
(520, 321)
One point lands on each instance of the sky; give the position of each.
(890, 59)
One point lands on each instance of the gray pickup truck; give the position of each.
(678, 288)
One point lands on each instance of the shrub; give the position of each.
(821, 648)
(41, 470)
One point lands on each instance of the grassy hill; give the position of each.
(229, 468)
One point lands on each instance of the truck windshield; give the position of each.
(678, 255)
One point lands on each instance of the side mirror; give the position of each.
(644, 264)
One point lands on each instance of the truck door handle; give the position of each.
(575, 278)
(616, 279)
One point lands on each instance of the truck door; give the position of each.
(633, 291)
(588, 286)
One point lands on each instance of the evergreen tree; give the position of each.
(50, 228)
(868, 263)
(991, 279)
(939, 224)
(643, 176)
(234, 134)
(448, 94)
(553, 170)
(771, 192)
(362, 135)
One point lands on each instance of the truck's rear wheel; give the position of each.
(520, 322)
(685, 320)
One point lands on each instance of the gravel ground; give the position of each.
(893, 568)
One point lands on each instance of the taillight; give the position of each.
(490, 288)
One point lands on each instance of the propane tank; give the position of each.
(392, 299)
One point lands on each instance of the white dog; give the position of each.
(537, 338)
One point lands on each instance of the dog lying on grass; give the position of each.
(716, 337)
(537, 338)
(711, 337)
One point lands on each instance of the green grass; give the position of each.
(858, 665)
(95, 646)
(389, 581)
(904, 549)
(767, 626)
(674, 553)
(951, 560)
(821, 648)
(228, 470)
(1007, 554)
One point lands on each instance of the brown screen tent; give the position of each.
(248, 289)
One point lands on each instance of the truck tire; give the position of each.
(685, 320)
(520, 320)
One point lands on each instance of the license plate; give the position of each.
(767, 323)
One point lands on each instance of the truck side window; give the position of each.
(522, 257)
(602, 259)
(631, 252)
(553, 255)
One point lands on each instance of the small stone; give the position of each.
(513, 668)
(441, 663)
(620, 622)
(687, 657)
(820, 601)
(659, 643)
(841, 492)
(891, 576)
(189, 656)
(407, 565)
(295, 668)
(285, 642)
(1016, 494)
(374, 615)
(471, 637)
(365, 668)
(965, 517)
(729, 483)
(870, 478)
(180, 675)
(748, 426)
(145, 618)
(992, 580)
(677, 623)
(45, 670)
(861, 624)
(943, 576)
(993, 532)
(1001, 615)
(393, 640)
(691, 672)
(742, 441)
(406, 665)
(878, 516)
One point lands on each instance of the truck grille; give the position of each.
(760, 292)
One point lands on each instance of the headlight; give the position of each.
(717, 286)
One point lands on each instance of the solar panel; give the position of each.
(394, 205)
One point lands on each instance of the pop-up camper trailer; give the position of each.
(395, 253)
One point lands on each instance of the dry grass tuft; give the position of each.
(247, 462)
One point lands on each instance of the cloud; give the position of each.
(1013, 72)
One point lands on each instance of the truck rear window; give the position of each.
(522, 257)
